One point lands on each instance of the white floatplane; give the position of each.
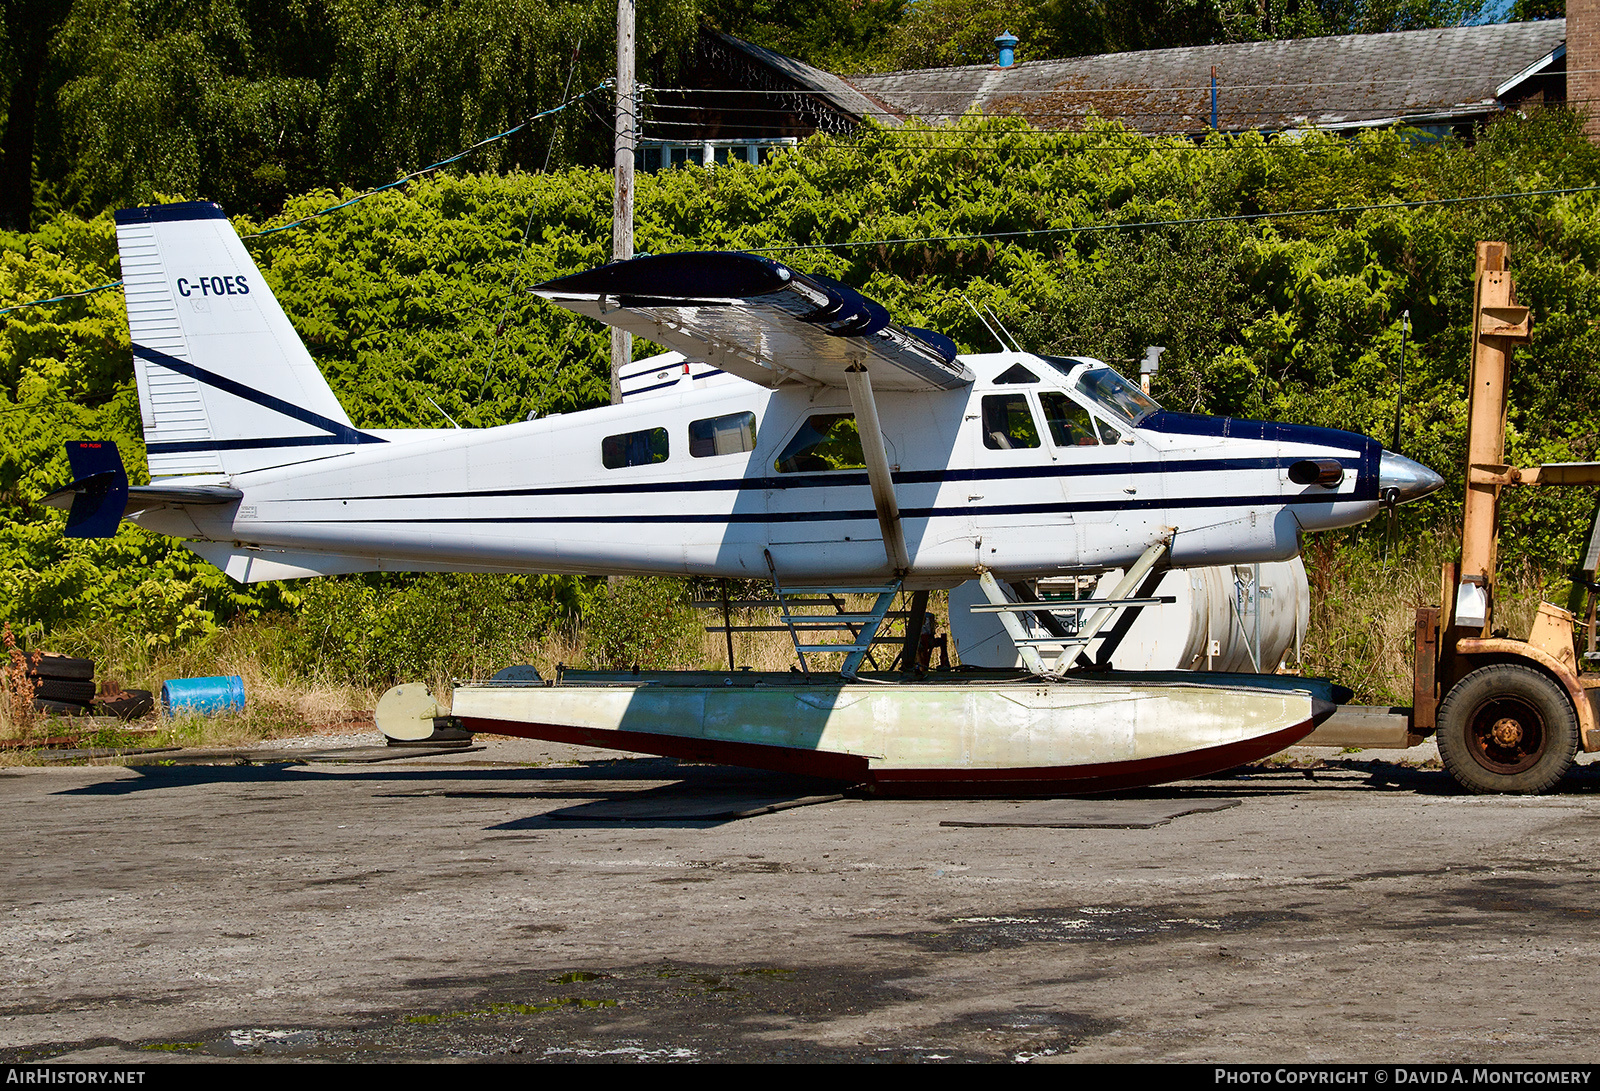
(794, 433)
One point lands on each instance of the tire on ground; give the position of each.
(129, 705)
(62, 689)
(60, 708)
(51, 665)
(1507, 728)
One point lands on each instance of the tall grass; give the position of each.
(1364, 604)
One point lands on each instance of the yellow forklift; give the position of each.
(1508, 715)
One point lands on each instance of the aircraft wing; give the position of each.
(760, 320)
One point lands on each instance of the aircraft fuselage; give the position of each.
(1026, 472)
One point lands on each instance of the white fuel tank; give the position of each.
(1211, 624)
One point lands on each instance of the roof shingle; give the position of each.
(1350, 80)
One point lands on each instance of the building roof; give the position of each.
(1444, 76)
(836, 92)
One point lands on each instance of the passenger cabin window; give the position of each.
(634, 448)
(1008, 423)
(1069, 423)
(1015, 374)
(730, 435)
(827, 441)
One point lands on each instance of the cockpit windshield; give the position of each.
(1116, 395)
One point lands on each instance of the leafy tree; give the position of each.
(936, 33)
(847, 36)
(941, 33)
(29, 27)
(1525, 10)
(250, 101)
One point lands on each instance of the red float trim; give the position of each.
(1038, 780)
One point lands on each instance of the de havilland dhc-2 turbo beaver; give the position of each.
(794, 433)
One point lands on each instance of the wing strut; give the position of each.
(1072, 647)
(878, 473)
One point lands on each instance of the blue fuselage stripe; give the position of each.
(787, 482)
(870, 514)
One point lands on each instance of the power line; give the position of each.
(431, 166)
(61, 298)
(1131, 102)
(100, 398)
(1233, 112)
(1243, 217)
(1202, 84)
(1039, 140)
(1234, 121)
(354, 200)
(1034, 143)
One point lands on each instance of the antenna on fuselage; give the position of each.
(442, 413)
(1016, 346)
(984, 320)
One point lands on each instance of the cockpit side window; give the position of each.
(1070, 424)
(826, 441)
(1008, 423)
(1116, 395)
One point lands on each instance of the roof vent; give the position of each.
(1006, 43)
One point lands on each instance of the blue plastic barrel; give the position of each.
(224, 693)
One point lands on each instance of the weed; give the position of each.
(642, 622)
(16, 688)
(513, 1009)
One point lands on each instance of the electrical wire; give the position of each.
(430, 167)
(61, 298)
(1204, 84)
(354, 200)
(1243, 217)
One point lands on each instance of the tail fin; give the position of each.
(225, 384)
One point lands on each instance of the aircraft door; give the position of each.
(1016, 511)
(819, 505)
(1095, 464)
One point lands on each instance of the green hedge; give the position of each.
(420, 293)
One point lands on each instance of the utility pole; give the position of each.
(622, 211)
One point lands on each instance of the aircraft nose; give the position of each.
(1409, 480)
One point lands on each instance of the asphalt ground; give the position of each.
(537, 902)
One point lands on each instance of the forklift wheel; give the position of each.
(1507, 728)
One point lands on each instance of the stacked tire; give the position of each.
(63, 685)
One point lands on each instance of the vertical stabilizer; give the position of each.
(225, 384)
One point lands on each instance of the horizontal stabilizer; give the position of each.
(99, 494)
(760, 320)
(99, 490)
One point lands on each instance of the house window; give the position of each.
(664, 155)
(634, 448)
(1008, 423)
(730, 435)
(827, 441)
